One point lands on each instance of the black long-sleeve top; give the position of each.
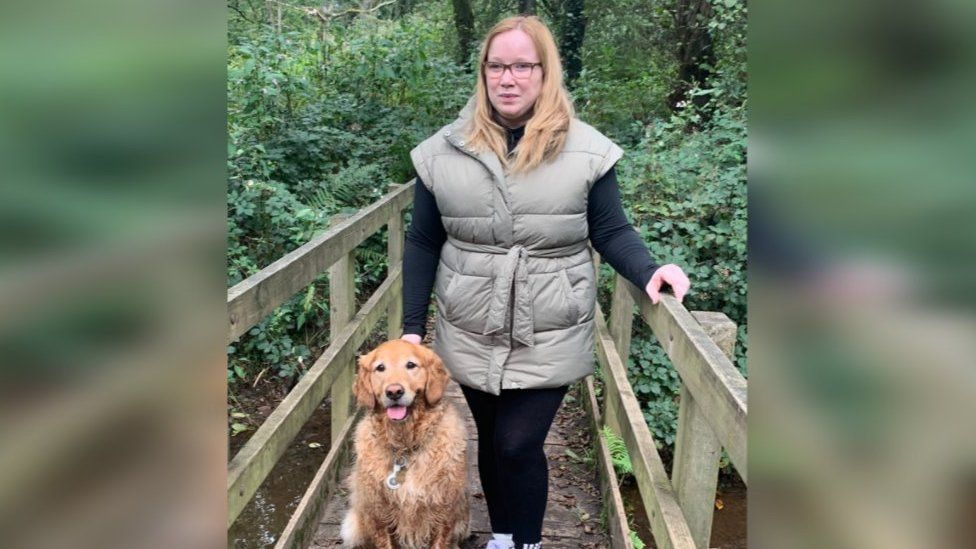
(611, 234)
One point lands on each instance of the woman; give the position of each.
(507, 198)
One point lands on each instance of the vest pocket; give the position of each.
(466, 301)
(552, 305)
(582, 291)
(574, 307)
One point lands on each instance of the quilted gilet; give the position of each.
(515, 287)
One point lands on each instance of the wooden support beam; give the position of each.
(697, 449)
(394, 247)
(342, 307)
(660, 503)
(609, 487)
(301, 527)
(717, 387)
(621, 316)
(621, 324)
(254, 461)
(254, 298)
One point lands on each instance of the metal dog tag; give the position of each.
(393, 480)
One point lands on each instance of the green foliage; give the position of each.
(320, 121)
(656, 385)
(628, 68)
(687, 195)
(635, 540)
(683, 176)
(238, 422)
(321, 118)
(618, 452)
(686, 191)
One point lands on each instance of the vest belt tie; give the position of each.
(511, 280)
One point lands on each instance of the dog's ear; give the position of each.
(361, 387)
(437, 377)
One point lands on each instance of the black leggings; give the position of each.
(514, 472)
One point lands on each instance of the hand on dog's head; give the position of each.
(415, 368)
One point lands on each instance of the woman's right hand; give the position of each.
(412, 338)
(672, 275)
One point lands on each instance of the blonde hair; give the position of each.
(545, 132)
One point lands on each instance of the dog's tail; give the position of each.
(352, 530)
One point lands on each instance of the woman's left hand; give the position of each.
(670, 274)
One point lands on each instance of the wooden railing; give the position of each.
(712, 415)
(253, 299)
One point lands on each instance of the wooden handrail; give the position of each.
(301, 526)
(256, 458)
(257, 296)
(623, 414)
(717, 387)
(712, 412)
(616, 514)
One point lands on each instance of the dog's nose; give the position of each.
(394, 392)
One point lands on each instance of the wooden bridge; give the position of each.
(712, 413)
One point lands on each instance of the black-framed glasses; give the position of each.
(519, 70)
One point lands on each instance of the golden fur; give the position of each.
(545, 132)
(430, 509)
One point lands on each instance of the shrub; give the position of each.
(686, 191)
(320, 123)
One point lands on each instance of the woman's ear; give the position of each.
(437, 377)
(361, 387)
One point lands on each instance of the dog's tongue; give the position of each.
(396, 412)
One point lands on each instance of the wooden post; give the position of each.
(394, 247)
(621, 323)
(596, 266)
(621, 317)
(342, 301)
(697, 450)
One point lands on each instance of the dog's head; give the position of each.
(393, 375)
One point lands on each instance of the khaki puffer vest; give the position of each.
(515, 286)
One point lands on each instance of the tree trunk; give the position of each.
(402, 8)
(464, 21)
(695, 53)
(527, 7)
(571, 41)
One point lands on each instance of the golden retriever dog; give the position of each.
(407, 488)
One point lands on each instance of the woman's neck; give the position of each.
(513, 124)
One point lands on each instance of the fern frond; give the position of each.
(618, 452)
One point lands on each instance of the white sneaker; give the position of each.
(499, 544)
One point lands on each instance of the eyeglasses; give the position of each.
(519, 70)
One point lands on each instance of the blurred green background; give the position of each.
(114, 269)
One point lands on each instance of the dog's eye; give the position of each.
(380, 367)
(411, 365)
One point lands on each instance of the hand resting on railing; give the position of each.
(672, 275)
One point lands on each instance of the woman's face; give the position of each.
(513, 98)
